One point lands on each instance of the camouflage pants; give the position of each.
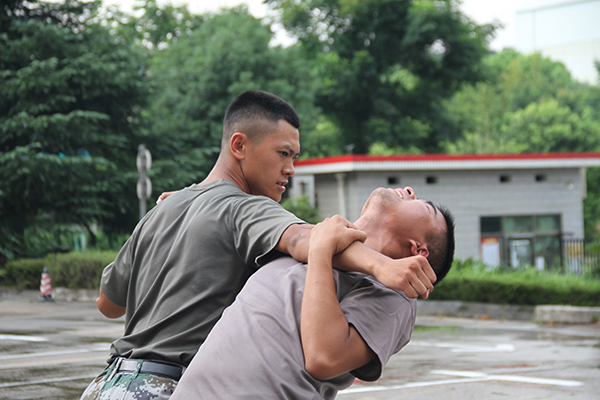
(128, 385)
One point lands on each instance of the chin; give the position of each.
(276, 198)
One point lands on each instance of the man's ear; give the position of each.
(238, 145)
(417, 249)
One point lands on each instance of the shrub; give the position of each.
(300, 207)
(473, 281)
(24, 273)
(71, 270)
(78, 270)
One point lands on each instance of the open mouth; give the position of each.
(399, 192)
(281, 186)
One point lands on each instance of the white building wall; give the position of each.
(566, 31)
(470, 195)
(326, 195)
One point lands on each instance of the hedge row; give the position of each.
(467, 281)
(71, 270)
(528, 287)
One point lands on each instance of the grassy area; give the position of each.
(475, 282)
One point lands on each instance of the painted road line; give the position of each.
(45, 381)
(97, 347)
(365, 389)
(510, 378)
(467, 377)
(468, 348)
(23, 338)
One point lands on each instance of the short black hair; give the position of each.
(441, 247)
(254, 112)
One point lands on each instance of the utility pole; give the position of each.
(144, 185)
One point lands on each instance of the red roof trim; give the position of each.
(443, 157)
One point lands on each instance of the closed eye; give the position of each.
(432, 206)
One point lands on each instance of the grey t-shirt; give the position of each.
(185, 262)
(255, 351)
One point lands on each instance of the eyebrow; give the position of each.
(291, 150)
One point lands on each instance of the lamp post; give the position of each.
(144, 185)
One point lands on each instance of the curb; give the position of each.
(475, 310)
(567, 314)
(540, 313)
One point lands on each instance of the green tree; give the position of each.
(513, 82)
(549, 127)
(385, 65)
(151, 25)
(69, 104)
(591, 205)
(196, 79)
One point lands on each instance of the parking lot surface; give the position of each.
(52, 350)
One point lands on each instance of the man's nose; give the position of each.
(289, 169)
(411, 192)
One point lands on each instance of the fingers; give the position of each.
(415, 278)
(163, 196)
(336, 232)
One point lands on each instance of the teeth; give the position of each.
(400, 194)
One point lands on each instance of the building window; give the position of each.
(393, 180)
(504, 178)
(431, 180)
(520, 240)
(541, 178)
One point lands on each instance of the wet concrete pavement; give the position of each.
(457, 358)
(53, 350)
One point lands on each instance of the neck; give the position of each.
(370, 227)
(227, 169)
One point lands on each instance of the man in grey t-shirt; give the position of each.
(305, 331)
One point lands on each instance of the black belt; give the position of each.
(159, 368)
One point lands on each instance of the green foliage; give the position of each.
(475, 282)
(591, 204)
(383, 64)
(527, 104)
(300, 206)
(78, 270)
(72, 270)
(195, 84)
(550, 127)
(23, 273)
(69, 107)
(152, 26)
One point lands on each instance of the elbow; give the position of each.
(108, 308)
(320, 367)
(110, 313)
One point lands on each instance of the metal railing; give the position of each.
(581, 257)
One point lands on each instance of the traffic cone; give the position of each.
(46, 286)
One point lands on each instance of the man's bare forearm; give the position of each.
(412, 275)
(331, 346)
